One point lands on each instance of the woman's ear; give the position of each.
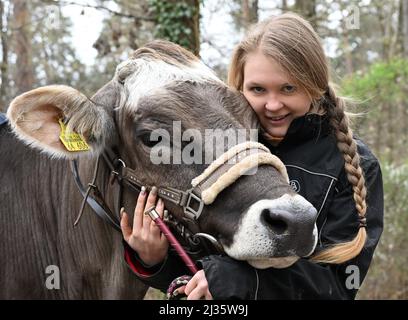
(39, 116)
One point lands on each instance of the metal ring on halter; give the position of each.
(210, 238)
(122, 162)
(115, 172)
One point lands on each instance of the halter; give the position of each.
(220, 174)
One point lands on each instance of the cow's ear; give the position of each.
(39, 116)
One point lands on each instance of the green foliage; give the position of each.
(384, 82)
(381, 93)
(388, 275)
(171, 17)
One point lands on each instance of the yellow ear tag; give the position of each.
(72, 141)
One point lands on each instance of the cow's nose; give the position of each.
(277, 220)
(292, 226)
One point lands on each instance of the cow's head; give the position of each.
(164, 90)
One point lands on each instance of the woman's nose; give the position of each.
(273, 103)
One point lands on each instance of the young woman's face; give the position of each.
(273, 94)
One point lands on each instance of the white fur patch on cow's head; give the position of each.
(143, 76)
(256, 243)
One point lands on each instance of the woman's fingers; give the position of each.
(124, 225)
(154, 229)
(139, 209)
(145, 237)
(180, 290)
(198, 293)
(165, 217)
(197, 287)
(151, 202)
(151, 199)
(190, 286)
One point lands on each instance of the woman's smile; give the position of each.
(278, 120)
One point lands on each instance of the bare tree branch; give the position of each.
(4, 62)
(98, 7)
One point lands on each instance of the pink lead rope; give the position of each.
(172, 239)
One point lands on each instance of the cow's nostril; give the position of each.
(274, 221)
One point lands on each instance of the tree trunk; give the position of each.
(4, 62)
(307, 8)
(195, 26)
(392, 33)
(284, 5)
(399, 37)
(405, 27)
(24, 78)
(391, 136)
(384, 15)
(379, 134)
(347, 53)
(249, 12)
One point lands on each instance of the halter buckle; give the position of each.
(189, 211)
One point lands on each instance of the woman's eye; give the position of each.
(288, 89)
(257, 89)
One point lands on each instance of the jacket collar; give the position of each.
(308, 127)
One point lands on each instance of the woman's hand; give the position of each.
(197, 287)
(145, 237)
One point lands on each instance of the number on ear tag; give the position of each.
(72, 141)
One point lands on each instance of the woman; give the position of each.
(281, 69)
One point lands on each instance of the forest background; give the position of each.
(366, 41)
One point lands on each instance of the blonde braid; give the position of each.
(343, 252)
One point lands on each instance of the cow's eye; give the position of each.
(148, 141)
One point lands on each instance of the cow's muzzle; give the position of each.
(275, 233)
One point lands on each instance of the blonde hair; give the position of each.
(292, 42)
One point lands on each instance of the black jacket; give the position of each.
(316, 171)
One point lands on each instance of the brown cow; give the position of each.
(257, 217)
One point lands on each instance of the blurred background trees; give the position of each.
(366, 41)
